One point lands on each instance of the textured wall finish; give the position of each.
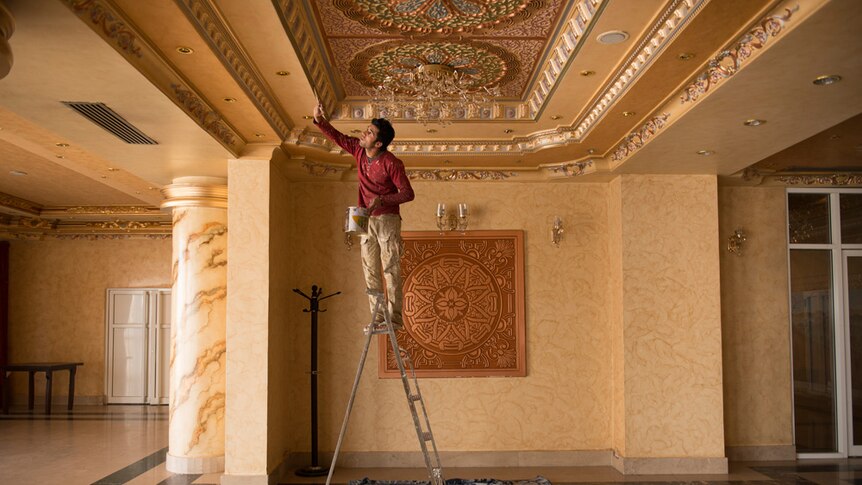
(671, 317)
(564, 401)
(755, 329)
(57, 303)
(248, 313)
(615, 284)
(197, 398)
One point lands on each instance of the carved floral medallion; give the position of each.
(463, 305)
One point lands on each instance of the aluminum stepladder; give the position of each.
(432, 460)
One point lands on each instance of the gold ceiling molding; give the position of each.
(112, 25)
(301, 35)
(18, 205)
(837, 179)
(729, 61)
(637, 139)
(210, 24)
(206, 117)
(104, 18)
(323, 169)
(35, 228)
(662, 33)
(442, 174)
(572, 169)
(565, 47)
(110, 210)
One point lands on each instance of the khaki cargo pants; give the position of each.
(381, 250)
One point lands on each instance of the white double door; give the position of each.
(138, 345)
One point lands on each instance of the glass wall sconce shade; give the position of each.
(452, 222)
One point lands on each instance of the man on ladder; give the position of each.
(383, 187)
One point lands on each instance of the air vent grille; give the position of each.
(108, 119)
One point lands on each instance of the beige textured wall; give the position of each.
(57, 302)
(671, 316)
(247, 328)
(755, 316)
(282, 321)
(615, 287)
(562, 404)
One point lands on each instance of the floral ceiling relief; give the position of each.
(438, 16)
(463, 305)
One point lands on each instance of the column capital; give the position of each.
(7, 27)
(196, 192)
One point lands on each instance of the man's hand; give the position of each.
(318, 113)
(374, 205)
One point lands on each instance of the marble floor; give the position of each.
(127, 445)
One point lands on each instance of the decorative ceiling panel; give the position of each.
(499, 43)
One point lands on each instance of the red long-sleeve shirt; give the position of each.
(384, 177)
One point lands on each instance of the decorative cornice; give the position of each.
(838, 179)
(322, 169)
(572, 169)
(729, 61)
(565, 47)
(34, 228)
(19, 205)
(662, 32)
(111, 24)
(107, 20)
(126, 226)
(112, 210)
(637, 139)
(211, 25)
(206, 117)
(301, 35)
(454, 174)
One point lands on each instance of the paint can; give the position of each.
(356, 221)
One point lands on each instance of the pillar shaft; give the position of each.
(196, 440)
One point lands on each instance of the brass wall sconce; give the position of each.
(735, 242)
(452, 222)
(557, 231)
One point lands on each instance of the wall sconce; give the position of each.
(557, 231)
(452, 222)
(735, 242)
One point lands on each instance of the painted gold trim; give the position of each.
(193, 195)
(19, 205)
(442, 174)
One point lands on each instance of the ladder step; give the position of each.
(426, 435)
(415, 397)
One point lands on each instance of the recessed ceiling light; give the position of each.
(282, 73)
(61, 145)
(185, 50)
(753, 122)
(431, 130)
(17, 173)
(685, 56)
(826, 80)
(834, 137)
(612, 37)
(112, 169)
(706, 153)
(229, 100)
(307, 117)
(556, 117)
(628, 113)
(508, 130)
(591, 150)
(60, 156)
(259, 135)
(587, 73)
(103, 176)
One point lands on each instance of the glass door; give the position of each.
(853, 317)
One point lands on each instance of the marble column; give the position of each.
(196, 438)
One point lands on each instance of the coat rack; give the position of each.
(315, 470)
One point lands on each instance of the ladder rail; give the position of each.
(435, 470)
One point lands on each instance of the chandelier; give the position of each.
(432, 93)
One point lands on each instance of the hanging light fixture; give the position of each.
(432, 93)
